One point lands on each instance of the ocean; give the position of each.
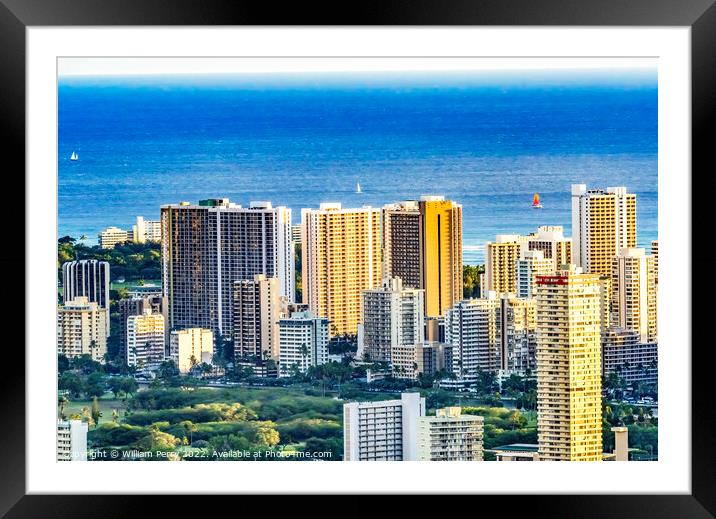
(488, 142)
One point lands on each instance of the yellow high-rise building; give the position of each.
(569, 383)
(341, 258)
(603, 223)
(501, 264)
(633, 293)
(440, 242)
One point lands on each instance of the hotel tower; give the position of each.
(569, 388)
(603, 223)
(209, 246)
(341, 258)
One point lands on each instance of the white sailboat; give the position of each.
(74, 156)
(358, 189)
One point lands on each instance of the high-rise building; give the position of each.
(632, 360)
(410, 360)
(471, 328)
(341, 258)
(71, 440)
(156, 304)
(82, 329)
(450, 436)
(382, 431)
(87, 278)
(550, 240)
(633, 293)
(111, 236)
(441, 253)
(518, 335)
(303, 342)
(206, 247)
(190, 347)
(146, 230)
(529, 266)
(655, 254)
(569, 388)
(501, 264)
(401, 242)
(145, 341)
(603, 223)
(392, 316)
(257, 310)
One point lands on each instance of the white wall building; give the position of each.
(191, 347)
(81, 329)
(111, 236)
(382, 431)
(146, 230)
(71, 440)
(450, 436)
(145, 340)
(303, 342)
(531, 264)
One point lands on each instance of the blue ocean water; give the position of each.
(488, 142)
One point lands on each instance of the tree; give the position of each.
(70, 382)
(62, 401)
(96, 385)
(94, 411)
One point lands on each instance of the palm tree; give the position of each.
(304, 354)
(62, 401)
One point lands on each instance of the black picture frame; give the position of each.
(700, 15)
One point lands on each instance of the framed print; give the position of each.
(359, 254)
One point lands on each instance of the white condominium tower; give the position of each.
(529, 266)
(145, 340)
(633, 297)
(341, 258)
(257, 309)
(382, 431)
(82, 329)
(87, 278)
(603, 223)
(71, 440)
(146, 230)
(209, 246)
(569, 384)
(450, 436)
(392, 316)
(471, 328)
(303, 342)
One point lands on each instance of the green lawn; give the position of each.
(114, 285)
(106, 405)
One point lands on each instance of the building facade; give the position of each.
(440, 242)
(87, 278)
(209, 246)
(392, 316)
(146, 230)
(156, 304)
(625, 355)
(71, 440)
(471, 328)
(569, 388)
(401, 242)
(633, 293)
(190, 347)
(529, 266)
(518, 335)
(550, 240)
(603, 223)
(111, 236)
(450, 436)
(655, 255)
(145, 341)
(341, 257)
(82, 329)
(303, 342)
(382, 431)
(501, 264)
(257, 310)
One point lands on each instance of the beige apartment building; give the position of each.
(603, 223)
(190, 347)
(450, 436)
(81, 329)
(655, 254)
(111, 236)
(633, 293)
(341, 258)
(501, 264)
(550, 240)
(569, 388)
(145, 340)
(257, 310)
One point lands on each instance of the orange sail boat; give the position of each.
(535, 202)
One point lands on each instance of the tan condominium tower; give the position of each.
(569, 388)
(501, 264)
(81, 329)
(603, 223)
(655, 253)
(257, 309)
(550, 240)
(341, 258)
(633, 293)
(440, 242)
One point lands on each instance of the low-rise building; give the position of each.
(190, 347)
(450, 436)
(624, 354)
(145, 341)
(303, 342)
(517, 452)
(111, 236)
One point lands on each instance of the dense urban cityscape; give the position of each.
(228, 332)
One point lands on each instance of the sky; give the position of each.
(119, 66)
